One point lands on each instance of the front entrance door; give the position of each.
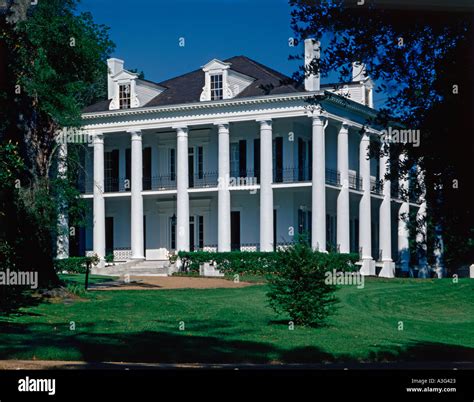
(235, 230)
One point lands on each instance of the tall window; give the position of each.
(216, 87)
(124, 96)
(111, 170)
(200, 162)
(201, 231)
(172, 164)
(234, 159)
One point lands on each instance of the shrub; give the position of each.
(299, 288)
(109, 257)
(74, 265)
(232, 262)
(256, 263)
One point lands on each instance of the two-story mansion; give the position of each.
(232, 157)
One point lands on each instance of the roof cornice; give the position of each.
(330, 97)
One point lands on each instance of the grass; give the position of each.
(236, 325)
(79, 279)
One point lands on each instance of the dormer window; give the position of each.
(221, 82)
(124, 96)
(217, 89)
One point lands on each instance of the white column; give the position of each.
(182, 213)
(223, 220)
(385, 227)
(365, 236)
(421, 230)
(343, 231)
(99, 202)
(62, 243)
(266, 191)
(403, 215)
(136, 195)
(318, 224)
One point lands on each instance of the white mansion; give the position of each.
(233, 157)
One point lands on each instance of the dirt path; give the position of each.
(168, 282)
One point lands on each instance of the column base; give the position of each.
(388, 269)
(368, 267)
(138, 258)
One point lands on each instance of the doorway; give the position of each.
(235, 230)
(109, 235)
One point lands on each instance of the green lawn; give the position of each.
(236, 325)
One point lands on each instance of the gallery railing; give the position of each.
(376, 186)
(355, 182)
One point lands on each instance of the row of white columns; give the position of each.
(137, 241)
(319, 124)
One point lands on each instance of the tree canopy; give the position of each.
(421, 61)
(54, 63)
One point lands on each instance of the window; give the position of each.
(191, 167)
(201, 232)
(111, 170)
(200, 163)
(242, 158)
(172, 164)
(173, 232)
(278, 159)
(216, 87)
(128, 169)
(191, 233)
(256, 158)
(234, 159)
(146, 163)
(124, 96)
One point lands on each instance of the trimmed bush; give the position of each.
(74, 265)
(299, 288)
(258, 263)
(232, 262)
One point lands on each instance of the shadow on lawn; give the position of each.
(26, 340)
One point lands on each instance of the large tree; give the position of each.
(422, 62)
(54, 63)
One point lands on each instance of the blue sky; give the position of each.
(146, 33)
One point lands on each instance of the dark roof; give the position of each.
(187, 88)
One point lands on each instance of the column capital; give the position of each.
(345, 125)
(318, 119)
(181, 130)
(98, 138)
(135, 134)
(265, 121)
(365, 136)
(222, 125)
